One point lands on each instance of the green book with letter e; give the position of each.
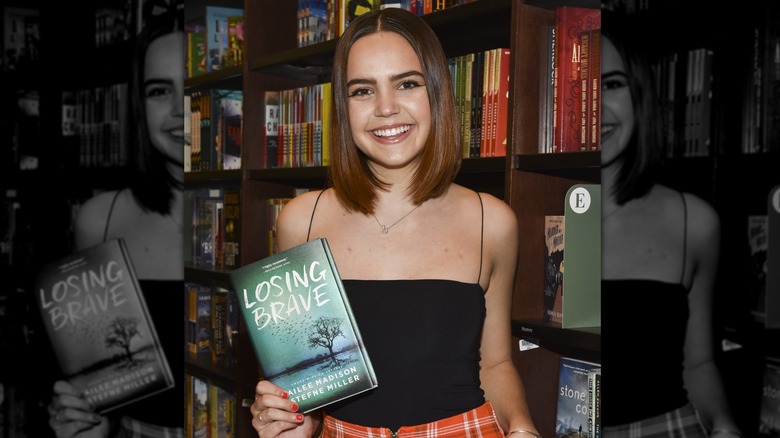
(582, 276)
(99, 327)
(301, 325)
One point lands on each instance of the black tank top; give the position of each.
(423, 337)
(652, 316)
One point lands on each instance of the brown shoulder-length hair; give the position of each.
(355, 185)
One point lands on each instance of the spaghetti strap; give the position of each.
(685, 237)
(481, 236)
(110, 210)
(308, 235)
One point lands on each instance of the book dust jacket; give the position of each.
(301, 325)
(99, 327)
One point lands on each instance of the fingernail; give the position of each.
(285, 394)
(295, 406)
(299, 417)
(96, 418)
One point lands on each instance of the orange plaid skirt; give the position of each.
(478, 422)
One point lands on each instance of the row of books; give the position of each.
(298, 119)
(214, 231)
(323, 20)
(212, 130)
(212, 322)
(216, 43)
(297, 126)
(97, 121)
(684, 84)
(210, 410)
(570, 118)
(116, 22)
(21, 38)
(481, 85)
(761, 111)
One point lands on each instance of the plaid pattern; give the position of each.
(480, 422)
(680, 423)
(131, 428)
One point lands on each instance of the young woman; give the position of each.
(664, 272)
(148, 216)
(428, 265)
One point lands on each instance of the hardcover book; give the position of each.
(572, 411)
(301, 325)
(217, 35)
(571, 22)
(769, 417)
(582, 277)
(553, 268)
(99, 327)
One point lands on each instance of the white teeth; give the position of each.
(391, 132)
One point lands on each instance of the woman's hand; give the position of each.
(72, 416)
(273, 415)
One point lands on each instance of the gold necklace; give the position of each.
(386, 229)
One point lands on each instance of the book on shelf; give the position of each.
(196, 53)
(501, 102)
(769, 415)
(217, 35)
(199, 407)
(235, 55)
(582, 276)
(592, 89)
(301, 325)
(571, 417)
(272, 120)
(758, 241)
(554, 227)
(594, 403)
(222, 412)
(772, 312)
(228, 118)
(199, 333)
(99, 327)
(231, 226)
(571, 22)
(546, 89)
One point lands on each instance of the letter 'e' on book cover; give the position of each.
(301, 325)
(99, 327)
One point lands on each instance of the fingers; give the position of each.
(272, 412)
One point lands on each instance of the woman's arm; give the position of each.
(500, 379)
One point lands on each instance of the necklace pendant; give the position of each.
(385, 229)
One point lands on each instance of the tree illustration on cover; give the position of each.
(120, 334)
(326, 330)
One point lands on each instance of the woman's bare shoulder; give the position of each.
(92, 217)
(296, 215)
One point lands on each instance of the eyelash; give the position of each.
(613, 84)
(156, 92)
(403, 86)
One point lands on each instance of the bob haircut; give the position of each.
(639, 162)
(153, 183)
(356, 186)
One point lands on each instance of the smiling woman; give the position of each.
(147, 215)
(396, 152)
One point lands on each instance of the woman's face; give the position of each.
(163, 91)
(389, 111)
(617, 109)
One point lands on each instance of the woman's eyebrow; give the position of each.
(615, 73)
(392, 78)
(157, 81)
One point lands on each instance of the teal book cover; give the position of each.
(99, 327)
(301, 325)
